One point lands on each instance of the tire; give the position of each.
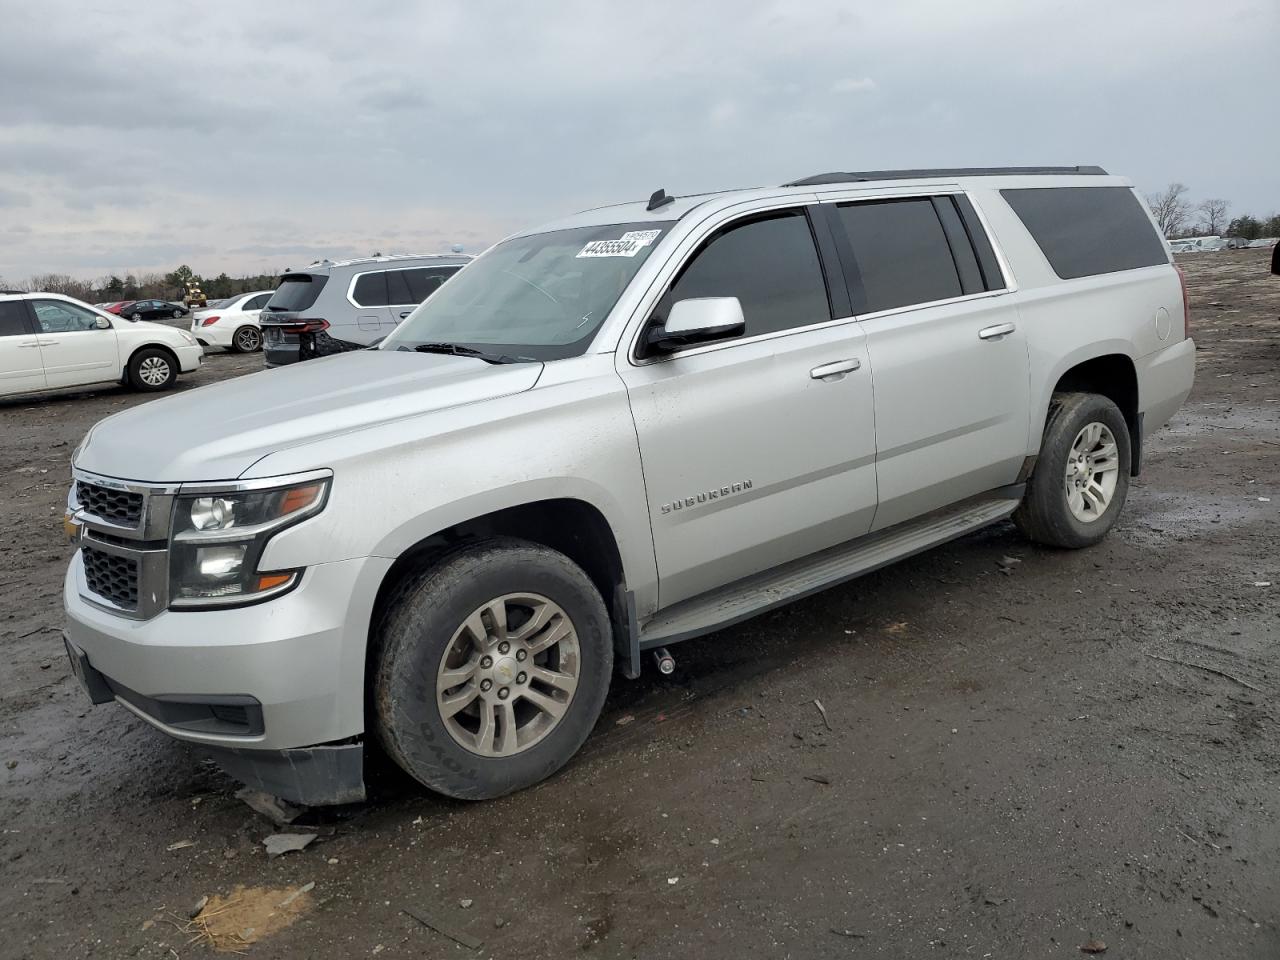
(247, 339)
(152, 369)
(1073, 473)
(431, 625)
(177, 314)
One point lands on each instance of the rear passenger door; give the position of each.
(949, 359)
(20, 365)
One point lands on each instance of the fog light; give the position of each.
(220, 561)
(212, 513)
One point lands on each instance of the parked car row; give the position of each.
(1212, 244)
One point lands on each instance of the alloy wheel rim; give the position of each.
(1092, 473)
(248, 339)
(154, 371)
(509, 674)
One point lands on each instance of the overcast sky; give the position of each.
(254, 136)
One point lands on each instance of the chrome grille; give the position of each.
(111, 577)
(114, 506)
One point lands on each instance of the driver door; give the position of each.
(72, 347)
(761, 449)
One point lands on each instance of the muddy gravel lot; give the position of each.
(1024, 752)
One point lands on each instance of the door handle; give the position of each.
(29, 346)
(405, 314)
(45, 343)
(835, 369)
(997, 331)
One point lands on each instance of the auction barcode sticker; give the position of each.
(628, 245)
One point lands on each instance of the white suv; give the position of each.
(48, 341)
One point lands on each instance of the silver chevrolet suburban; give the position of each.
(621, 430)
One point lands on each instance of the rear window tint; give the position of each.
(371, 290)
(13, 318)
(901, 252)
(297, 291)
(1086, 231)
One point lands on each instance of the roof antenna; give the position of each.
(659, 199)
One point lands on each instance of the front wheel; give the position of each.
(491, 668)
(1081, 478)
(152, 369)
(176, 314)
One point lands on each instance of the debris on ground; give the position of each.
(470, 942)
(279, 844)
(822, 710)
(1006, 565)
(199, 907)
(817, 778)
(623, 721)
(466, 903)
(1093, 946)
(848, 933)
(1200, 666)
(271, 807)
(245, 916)
(180, 845)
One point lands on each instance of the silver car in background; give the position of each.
(337, 306)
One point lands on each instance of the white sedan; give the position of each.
(232, 323)
(48, 341)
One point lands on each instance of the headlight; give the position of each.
(219, 537)
(187, 337)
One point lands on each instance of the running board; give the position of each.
(757, 594)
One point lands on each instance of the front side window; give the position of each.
(901, 252)
(770, 264)
(423, 281)
(541, 296)
(56, 316)
(13, 318)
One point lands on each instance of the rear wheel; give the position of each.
(247, 339)
(1081, 478)
(152, 369)
(491, 668)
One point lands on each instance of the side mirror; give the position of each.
(102, 323)
(700, 320)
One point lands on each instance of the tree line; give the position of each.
(1178, 216)
(145, 286)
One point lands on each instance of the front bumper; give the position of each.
(189, 356)
(284, 675)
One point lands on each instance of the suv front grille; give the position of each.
(111, 577)
(114, 506)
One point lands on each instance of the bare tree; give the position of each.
(1214, 213)
(1170, 208)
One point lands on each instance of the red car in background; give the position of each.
(117, 306)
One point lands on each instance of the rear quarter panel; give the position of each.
(1071, 321)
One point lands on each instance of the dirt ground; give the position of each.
(1021, 758)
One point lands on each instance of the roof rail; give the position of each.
(865, 175)
(11, 292)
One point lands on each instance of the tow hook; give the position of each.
(665, 661)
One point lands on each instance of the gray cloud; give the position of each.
(300, 130)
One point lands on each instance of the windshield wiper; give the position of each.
(458, 350)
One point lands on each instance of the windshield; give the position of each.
(542, 296)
